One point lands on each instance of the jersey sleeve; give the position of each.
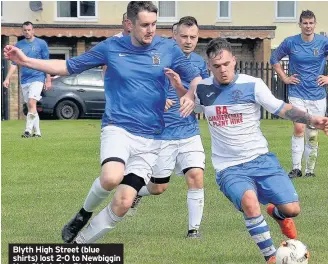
(182, 65)
(44, 50)
(204, 71)
(265, 98)
(95, 57)
(198, 105)
(280, 52)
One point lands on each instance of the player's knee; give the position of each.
(291, 210)
(111, 173)
(299, 130)
(31, 104)
(250, 204)
(312, 137)
(194, 177)
(157, 189)
(108, 182)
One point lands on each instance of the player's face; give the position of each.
(143, 31)
(307, 26)
(187, 38)
(223, 67)
(28, 31)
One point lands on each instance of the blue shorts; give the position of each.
(262, 175)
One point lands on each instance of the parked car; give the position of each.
(74, 96)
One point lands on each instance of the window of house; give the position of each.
(167, 11)
(224, 11)
(76, 10)
(286, 10)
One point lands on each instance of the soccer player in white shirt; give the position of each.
(247, 173)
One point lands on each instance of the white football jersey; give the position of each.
(233, 115)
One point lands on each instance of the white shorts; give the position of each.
(32, 90)
(138, 153)
(313, 107)
(179, 155)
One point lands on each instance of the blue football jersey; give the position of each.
(37, 49)
(307, 59)
(177, 127)
(135, 84)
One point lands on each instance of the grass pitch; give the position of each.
(45, 181)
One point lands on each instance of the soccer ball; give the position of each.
(292, 252)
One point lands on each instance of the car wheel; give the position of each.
(67, 110)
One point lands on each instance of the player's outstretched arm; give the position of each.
(299, 116)
(55, 67)
(11, 71)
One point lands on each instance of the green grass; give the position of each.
(45, 181)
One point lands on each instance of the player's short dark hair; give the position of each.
(216, 45)
(27, 23)
(188, 21)
(123, 16)
(135, 7)
(307, 14)
(175, 24)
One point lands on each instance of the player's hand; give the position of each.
(291, 79)
(6, 83)
(173, 77)
(320, 123)
(187, 105)
(322, 80)
(168, 104)
(14, 54)
(47, 85)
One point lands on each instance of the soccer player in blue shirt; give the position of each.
(182, 147)
(32, 81)
(247, 173)
(136, 86)
(307, 54)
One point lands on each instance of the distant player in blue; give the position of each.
(32, 81)
(182, 149)
(307, 54)
(136, 86)
(247, 173)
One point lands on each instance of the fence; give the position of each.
(266, 72)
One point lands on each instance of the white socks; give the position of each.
(195, 200)
(297, 152)
(36, 124)
(30, 118)
(311, 149)
(95, 196)
(101, 224)
(33, 123)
